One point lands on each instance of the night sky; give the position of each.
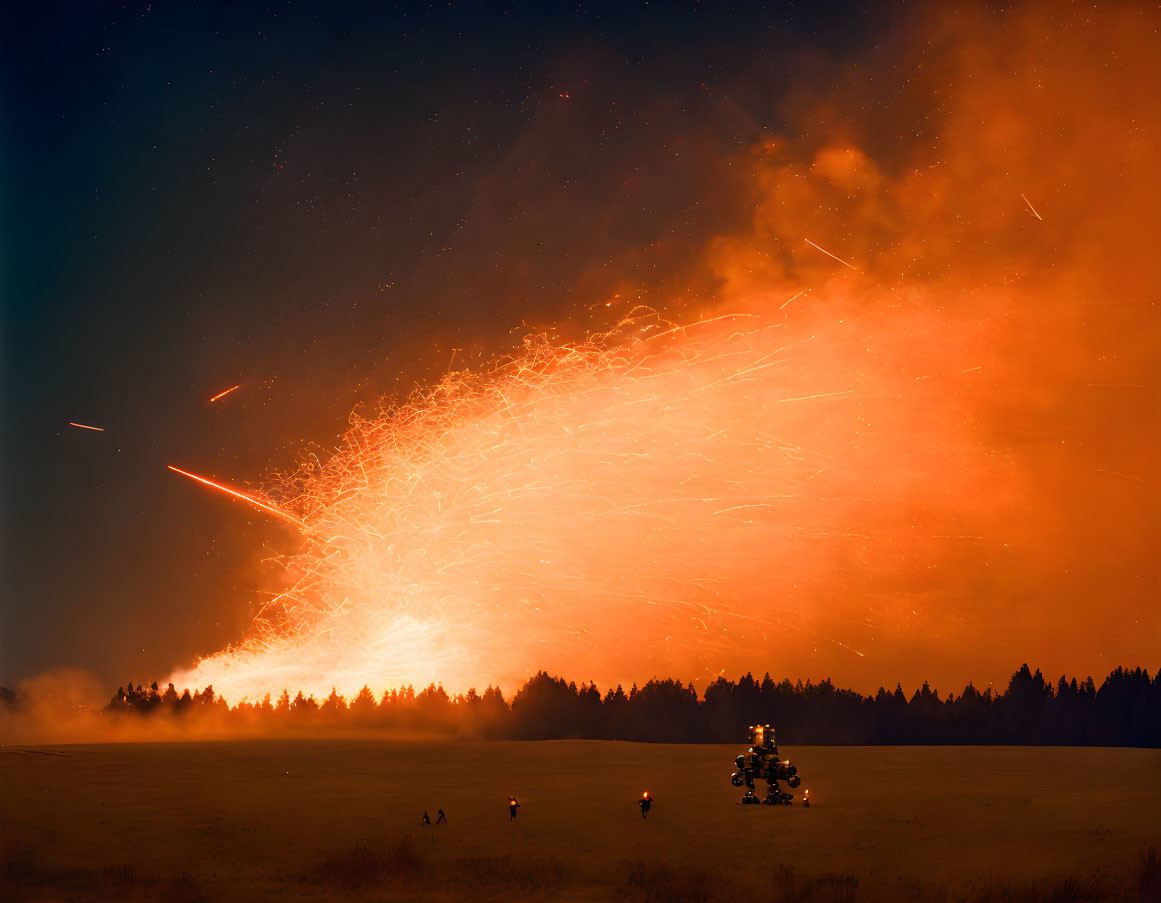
(325, 203)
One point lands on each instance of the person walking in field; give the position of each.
(646, 803)
(440, 817)
(513, 805)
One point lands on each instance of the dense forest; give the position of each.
(1125, 710)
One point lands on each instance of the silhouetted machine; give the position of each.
(764, 764)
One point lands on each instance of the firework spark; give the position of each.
(249, 499)
(1033, 209)
(224, 393)
(829, 254)
(545, 510)
(85, 426)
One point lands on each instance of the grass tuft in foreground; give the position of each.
(367, 871)
(362, 866)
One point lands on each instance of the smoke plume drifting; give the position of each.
(905, 427)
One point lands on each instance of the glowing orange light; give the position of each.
(568, 495)
(224, 393)
(257, 503)
(716, 497)
(85, 426)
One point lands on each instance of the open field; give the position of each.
(326, 819)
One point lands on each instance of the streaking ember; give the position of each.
(249, 499)
(831, 256)
(658, 499)
(85, 426)
(1035, 212)
(224, 393)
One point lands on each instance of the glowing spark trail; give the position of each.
(1033, 209)
(225, 393)
(84, 426)
(792, 298)
(257, 503)
(829, 254)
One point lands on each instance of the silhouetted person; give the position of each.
(440, 817)
(646, 803)
(512, 807)
(426, 818)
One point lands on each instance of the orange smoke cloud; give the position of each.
(914, 440)
(1024, 231)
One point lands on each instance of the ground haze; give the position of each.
(323, 818)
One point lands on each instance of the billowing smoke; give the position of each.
(903, 429)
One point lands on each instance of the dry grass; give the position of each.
(363, 866)
(337, 820)
(1149, 876)
(790, 886)
(654, 882)
(25, 880)
(397, 869)
(504, 873)
(661, 883)
(1072, 889)
(1143, 886)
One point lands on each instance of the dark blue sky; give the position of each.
(318, 201)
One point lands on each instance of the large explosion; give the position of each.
(660, 496)
(857, 444)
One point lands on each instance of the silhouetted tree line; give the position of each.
(1124, 711)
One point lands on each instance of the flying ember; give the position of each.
(224, 393)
